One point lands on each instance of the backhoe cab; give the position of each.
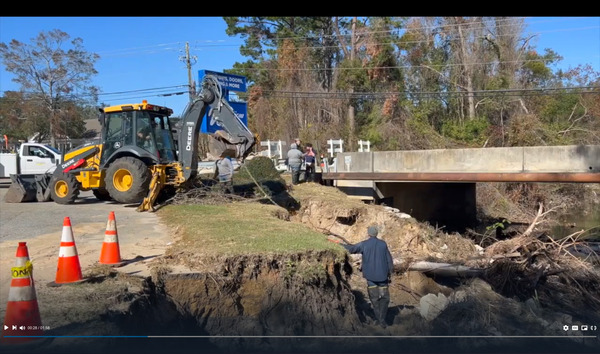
(137, 158)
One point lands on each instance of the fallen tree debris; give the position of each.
(445, 269)
(533, 264)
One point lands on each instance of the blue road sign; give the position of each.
(228, 83)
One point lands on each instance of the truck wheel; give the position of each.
(64, 188)
(127, 180)
(101, 194)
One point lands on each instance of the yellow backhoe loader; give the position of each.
(137, 158)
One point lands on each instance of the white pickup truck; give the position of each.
(31, 158)
(27, 172)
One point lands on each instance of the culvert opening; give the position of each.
(347, 220)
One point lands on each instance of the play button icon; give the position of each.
(5, 327)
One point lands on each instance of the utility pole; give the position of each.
(188, 62)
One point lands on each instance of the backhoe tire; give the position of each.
(101, 194)
(127, 180)
(64, 188)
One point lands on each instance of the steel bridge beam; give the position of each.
(578, 177)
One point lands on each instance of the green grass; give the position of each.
(241, 228)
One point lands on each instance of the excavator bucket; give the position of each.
(224, 144)
(28, 188)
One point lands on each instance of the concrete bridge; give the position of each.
(440, 185)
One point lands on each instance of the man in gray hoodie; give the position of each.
(224, 173)
(294, 157)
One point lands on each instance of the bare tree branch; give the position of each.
(570, 128)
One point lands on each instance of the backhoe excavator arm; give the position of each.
(234, 139)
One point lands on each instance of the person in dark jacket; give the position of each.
(377, 266)
(298, 143)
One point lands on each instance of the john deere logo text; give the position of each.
(188, 147)
(69, 163)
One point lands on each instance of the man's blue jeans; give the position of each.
(295, 173)
(379, 294)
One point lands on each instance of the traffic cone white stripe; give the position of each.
(67, 233)
(111, 224)
(68, 251)
(110, 238)
(23, 293)
(20, 262)
(111, 230)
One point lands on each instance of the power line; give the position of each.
(123, 95)
(145, 50)
(138, 97)
(449, 25)
(216, 44)
(400, 66)
(142, 90)
(477, 93)
(136, 94)
(172, 90)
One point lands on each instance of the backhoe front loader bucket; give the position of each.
(42, 183)
(28, 188)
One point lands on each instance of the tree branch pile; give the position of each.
(534, 265)
(206, 195)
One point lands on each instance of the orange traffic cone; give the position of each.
(22, 312)
(110, 253)
(69, 269)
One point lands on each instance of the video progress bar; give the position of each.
(306, 337)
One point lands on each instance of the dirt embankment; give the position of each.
(320, 294)
(287, 303)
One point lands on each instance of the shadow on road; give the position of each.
(93, 200)
(137, 259)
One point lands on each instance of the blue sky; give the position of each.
(139, 53)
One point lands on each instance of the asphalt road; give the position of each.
(22, 221)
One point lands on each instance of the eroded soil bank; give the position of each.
(316, 302)
(269, 305)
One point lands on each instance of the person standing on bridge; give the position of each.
(294, 160)
(298, 143)
(310, 160)
(377, 267)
